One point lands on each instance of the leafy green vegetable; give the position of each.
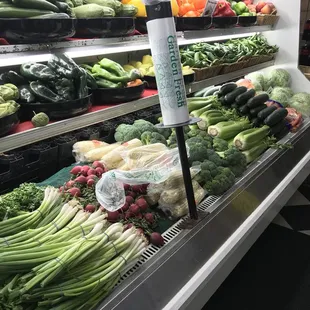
(149, 137)
(301, 102)
(282, 95)
(258, 80)
(27, 197)
(278, 77)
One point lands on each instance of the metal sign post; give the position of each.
(170, 83)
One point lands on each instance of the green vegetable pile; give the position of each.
(64, 9)
(8, 94)
(203, 55)
(109, 74)
(59, 81)
(26, 198)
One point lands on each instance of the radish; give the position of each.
(126, 187)
(134, 209)
(132, 194)
(125, 207)
(113, 216)
(157, 239)
(97, 164)
(90, 182)
(128, 215)
(139, 216)
(81, 179)
(84, 170)
(140, 231)
(102, 208)
(74, 191)
(99, 172)
(91, 171)
(141, 202)
(90, 208)
(61, 188)
(137, 188)
(91, 177)
(70, 184)
(76, 170)
(129, 200)
(128, 226)
(149, 217)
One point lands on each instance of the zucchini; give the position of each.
(282, 133)
(210, 92)
(244, 110)
(243, 98)
(36, 4)
(266, 112)
(117, 6)
(15, 12)
(200, 93)
(277, 128)
(230, 97)
(257, 100)
(198, 103)
(128, 10)
(227, 88)
(53, 16)
(275, 117)
(93, 11)
(234, 106)
(256, 110)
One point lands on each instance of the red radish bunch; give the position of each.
(157, 239)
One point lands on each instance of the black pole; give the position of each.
(186, 173)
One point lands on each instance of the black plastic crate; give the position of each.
(11, 166)
(88, 133)
(65, 144)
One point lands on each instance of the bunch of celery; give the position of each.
(72, 262)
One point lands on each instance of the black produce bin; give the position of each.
(89, 133)
(146, 115)
(65, 144)
(107, 130)
(11, 166)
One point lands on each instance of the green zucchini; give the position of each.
(226, 89)
(117, 6)
(256, 110)
(277, 128)
(36, 4)
(201, 92)
(128, 10)
(230, 97)
(15, 12)
(257, 101)
(282, 133)
(243, 98)
(211, 91)
(234, 106)
(52, 16)
(266, 112)
(93, 11)
(275, 117)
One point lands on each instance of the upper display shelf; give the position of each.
(11, 55)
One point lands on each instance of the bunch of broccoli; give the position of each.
(172, 139)
(142, 129)
(216, 180)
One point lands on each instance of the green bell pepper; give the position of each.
(240, 8)
(35, 71)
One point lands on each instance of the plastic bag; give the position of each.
(153, 193)
(110, 188)
(180, 208)
(83, 147)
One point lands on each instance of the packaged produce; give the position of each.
(301, 102)
(277, 77)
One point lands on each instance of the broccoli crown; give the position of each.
(210, 167)
(219, 144)
(193, 132)
(172, 140)
(149, 137)
(126, 133)
(224, 180)
(166, 132)
(214, 157)
(199, 140)
(235, 160)
(143, 125)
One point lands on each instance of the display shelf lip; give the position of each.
(11, 55)
(34, 135)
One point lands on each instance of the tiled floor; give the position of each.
(275, 273)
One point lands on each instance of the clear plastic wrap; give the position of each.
(110, 188)
(81, 148)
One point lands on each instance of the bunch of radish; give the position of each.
(82, 183)
(136, 211)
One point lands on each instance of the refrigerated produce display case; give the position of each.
(197, 255)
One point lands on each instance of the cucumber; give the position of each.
(230, 97)
(243, 98)
(52, 16)
(36, 4)
(275, 117)
(227, 88)
(277, 128)
(282, 133)
(257, 100)
(200, 93)
(258, 109)
(128, 10)
(211, 91)
(244, 110)
(14, 12)
(266, 112)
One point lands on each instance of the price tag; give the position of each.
(210, 7)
